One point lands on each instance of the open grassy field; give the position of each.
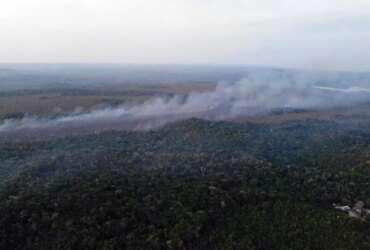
(51, 101)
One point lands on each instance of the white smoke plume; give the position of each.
(346, 90)
(248, 97)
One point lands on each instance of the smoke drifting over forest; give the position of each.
(251, 96)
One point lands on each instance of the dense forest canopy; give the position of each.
(191, 185)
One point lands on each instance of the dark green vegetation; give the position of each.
(190, 185)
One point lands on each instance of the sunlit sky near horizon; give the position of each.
(315, 34)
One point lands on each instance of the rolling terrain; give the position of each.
(152, 167)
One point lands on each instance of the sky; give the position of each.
(315, 34)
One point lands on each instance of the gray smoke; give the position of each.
(249, 97)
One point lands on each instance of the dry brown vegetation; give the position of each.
(46, 104)
(62, 100)
(327, 114)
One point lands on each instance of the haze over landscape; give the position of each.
(323, 35)
(184, 124)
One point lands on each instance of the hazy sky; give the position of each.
(324, 34)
